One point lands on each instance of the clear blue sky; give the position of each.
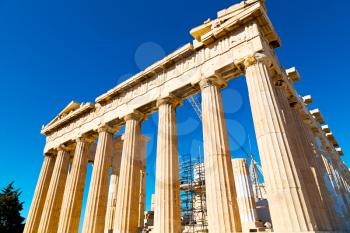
(52, 52)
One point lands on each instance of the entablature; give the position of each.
(232, 18)
(68, 116)
(177, 74)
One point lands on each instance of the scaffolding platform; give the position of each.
(192, 194)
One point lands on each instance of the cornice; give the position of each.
(83, 109)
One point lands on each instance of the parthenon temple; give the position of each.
(307, 184)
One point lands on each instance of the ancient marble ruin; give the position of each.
(306, 181)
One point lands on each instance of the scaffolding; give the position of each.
(256, 176)
(192, 194)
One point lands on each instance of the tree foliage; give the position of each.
(11, 220)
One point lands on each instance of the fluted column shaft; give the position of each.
(346, 173)
(142, 199)
(245, 194)
(289, 206)
(303, 159)
(337, 220)
(112, 193)
(332, 187)
(326, 215)
(74, 191)
(39, 197)
(340, 176)
(222, 207)
(127, 210)
(343, 202)
(142, 189)
(95, 210)
(53, 203)
(321, 175)
(111, 204)
(167, 207)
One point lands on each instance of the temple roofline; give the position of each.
(230, 21)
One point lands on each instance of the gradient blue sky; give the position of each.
(52, 52)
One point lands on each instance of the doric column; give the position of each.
(302, 154)
(127, 210)
(336, 163)
(113, 187)
(289, 207)
(245, 195)
(223, 214)
(336, 218)
(317, 192)
(111, 204)
(346, 173)
(167, 209)
(53, 203)
(142, 186)
(95, 210)
(39, 197)
(321, 175)
(332, 187)
(142, 199)
(74, 191)
(343, 203)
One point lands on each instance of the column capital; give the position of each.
(86, 139)
(65, 148)
(171, 100)
(107, 128)
(212, 81)
(136, 115)
(51, 153)
(256, 58)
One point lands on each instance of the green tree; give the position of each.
(11, 220)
